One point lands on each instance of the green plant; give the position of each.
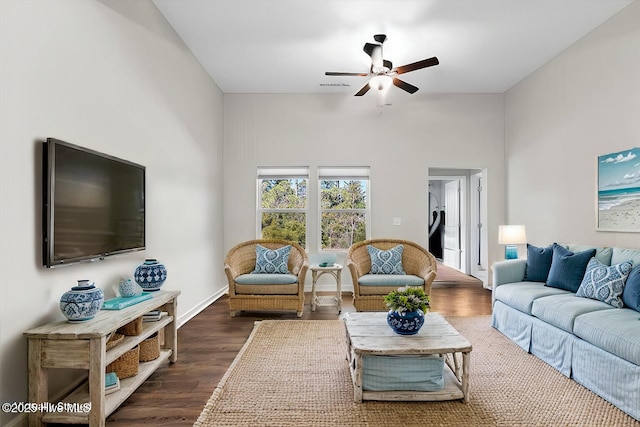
(406, 299)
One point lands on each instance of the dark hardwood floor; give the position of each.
(176, 394)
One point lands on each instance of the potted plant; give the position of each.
(407, 307)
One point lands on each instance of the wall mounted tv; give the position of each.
(93, 204)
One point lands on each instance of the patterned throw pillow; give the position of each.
(604, 283)
(272, 261)
(386, 262)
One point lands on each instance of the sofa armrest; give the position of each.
(508, 271)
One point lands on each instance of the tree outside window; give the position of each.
(282, 205)
(343, 208)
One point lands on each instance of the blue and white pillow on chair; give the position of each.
(272, 261)
(386, 262)
(605, 283)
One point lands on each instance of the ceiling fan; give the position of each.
(382, 72)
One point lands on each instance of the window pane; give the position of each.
(342, 229)
(283, 193)
(343, 194)
(287, 226)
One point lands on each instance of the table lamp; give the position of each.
(511, 235)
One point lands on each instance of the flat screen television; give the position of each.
(93, 204)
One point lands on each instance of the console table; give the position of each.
(83, 346)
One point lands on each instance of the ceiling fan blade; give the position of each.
(416, 66)
(404, 85)
(369, 47)
(334, 73)
(380, 38)
(364, 90)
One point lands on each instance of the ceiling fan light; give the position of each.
(382, 83)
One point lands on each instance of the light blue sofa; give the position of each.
(585, 339)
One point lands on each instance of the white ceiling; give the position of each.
(285, 46)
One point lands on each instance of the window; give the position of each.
(282, 204)
(344, 207)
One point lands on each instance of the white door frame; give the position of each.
(464, 217)
(472, 208)
(479, 260)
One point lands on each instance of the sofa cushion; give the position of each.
(622, 254)
(631, 293)
(538, 263)
(615, 331)
(567, 268)
(604, 283)
(603, 254)
(266, 279)
(395, 280)
(386, 262)
(521, 295)
(272, 261)
(561, 310)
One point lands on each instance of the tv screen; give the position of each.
(93, 204)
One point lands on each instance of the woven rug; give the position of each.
(295, 373)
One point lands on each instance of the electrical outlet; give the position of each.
(397, 220)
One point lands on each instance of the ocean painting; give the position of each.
(619, 191)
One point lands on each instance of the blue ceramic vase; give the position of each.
(150, 275)
(408, 323)
(82, 302)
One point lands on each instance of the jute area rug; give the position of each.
(295, 373)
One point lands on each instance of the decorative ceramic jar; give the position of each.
(82, 302)
(407, 323)
(128, 288)
(150, 275)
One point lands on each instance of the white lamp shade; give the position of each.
(512, 235)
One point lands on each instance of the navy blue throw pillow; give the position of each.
(568, 268)
(631, 293)
(538, 263)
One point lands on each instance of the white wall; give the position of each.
(582, 104)
(399, 143)
(112, 76)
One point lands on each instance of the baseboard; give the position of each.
(198, 308)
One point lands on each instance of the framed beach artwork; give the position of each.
(619, 191)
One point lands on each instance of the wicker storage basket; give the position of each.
(150, 348)
(132, 328)
(126, 365)
(114, 339)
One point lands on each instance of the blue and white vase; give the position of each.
(408, 323)
(128, 288)
(150, 275)
(82, 302)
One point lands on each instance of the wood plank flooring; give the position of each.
(175, 395)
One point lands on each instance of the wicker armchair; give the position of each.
(416, 262)
(267, 295)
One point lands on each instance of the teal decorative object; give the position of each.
(150, 275)
(82, 302)
(510, 252)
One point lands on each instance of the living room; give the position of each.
(115, 77)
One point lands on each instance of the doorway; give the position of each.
(456, 219)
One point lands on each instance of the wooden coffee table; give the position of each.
(369, 335)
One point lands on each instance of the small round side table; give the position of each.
(334, 270)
